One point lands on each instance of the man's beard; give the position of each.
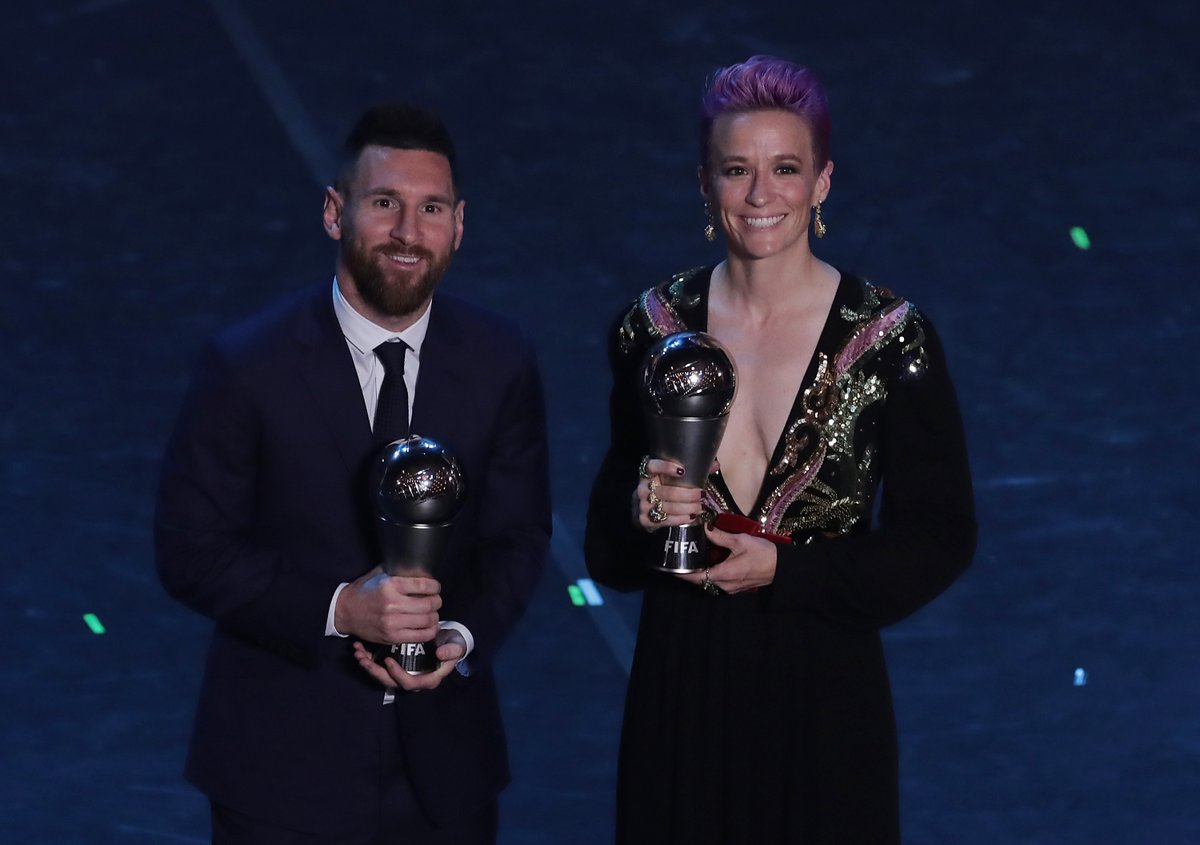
(393, 298)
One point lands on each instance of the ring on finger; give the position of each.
(708, 585)
(652, 495)
(644, 467)
(657, 514)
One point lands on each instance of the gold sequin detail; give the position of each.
(676, 289)
(869, 306)
(820, 508)
(626, 336)
(820, 446)
(712, 503)
(776, 495)
(857, 392)
(819, 402)
(913, 360)
(668, 298)
(818, 487)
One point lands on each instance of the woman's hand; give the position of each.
(750, 565)
(658, 501)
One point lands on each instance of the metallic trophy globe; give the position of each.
(418, 488)
(688, 385)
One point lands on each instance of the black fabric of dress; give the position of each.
(766, 717)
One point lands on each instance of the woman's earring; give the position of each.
(710, 232)
(819, 228)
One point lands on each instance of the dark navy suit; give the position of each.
(263, 511)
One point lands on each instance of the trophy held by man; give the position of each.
(418, 488)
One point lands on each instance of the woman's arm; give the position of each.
(927, 530)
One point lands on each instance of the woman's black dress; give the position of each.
(766, 717)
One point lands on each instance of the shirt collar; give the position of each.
(365, 335)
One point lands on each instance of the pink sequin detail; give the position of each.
(869, 335)
(661, 317)
(792, 488)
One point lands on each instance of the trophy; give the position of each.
(688, 385)
(418, 488)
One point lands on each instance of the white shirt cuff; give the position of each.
(462, 629)
(331, 631)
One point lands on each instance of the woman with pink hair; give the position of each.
(758, 707)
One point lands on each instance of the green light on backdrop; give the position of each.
(1080, 237)
(93, 622)
(576, 595)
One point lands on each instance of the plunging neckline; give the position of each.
(825, 340)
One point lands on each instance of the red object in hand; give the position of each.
(735, 524)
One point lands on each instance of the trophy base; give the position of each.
(414, 658)
(685, 549)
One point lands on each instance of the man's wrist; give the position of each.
(463, 631)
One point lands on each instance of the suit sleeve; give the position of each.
(206, 550)
(514, 525)
(927, 531)
(615, 547)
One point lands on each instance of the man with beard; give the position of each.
(265, 524)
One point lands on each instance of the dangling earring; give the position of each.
(710, 232)
(819, 228)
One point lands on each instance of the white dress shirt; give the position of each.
(362, 336)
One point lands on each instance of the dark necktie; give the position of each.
(391, 409)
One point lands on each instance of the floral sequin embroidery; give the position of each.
(841, 391)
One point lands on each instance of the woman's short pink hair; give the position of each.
(761, 83)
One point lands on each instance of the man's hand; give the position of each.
(382, 608)
(451, 648)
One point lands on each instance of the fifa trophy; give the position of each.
(688, 384)
(418, 488)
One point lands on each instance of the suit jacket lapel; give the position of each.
(442, 379)
(327, 369)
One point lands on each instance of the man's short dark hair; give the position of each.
(401, 126)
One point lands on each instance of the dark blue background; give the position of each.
(162, 166)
